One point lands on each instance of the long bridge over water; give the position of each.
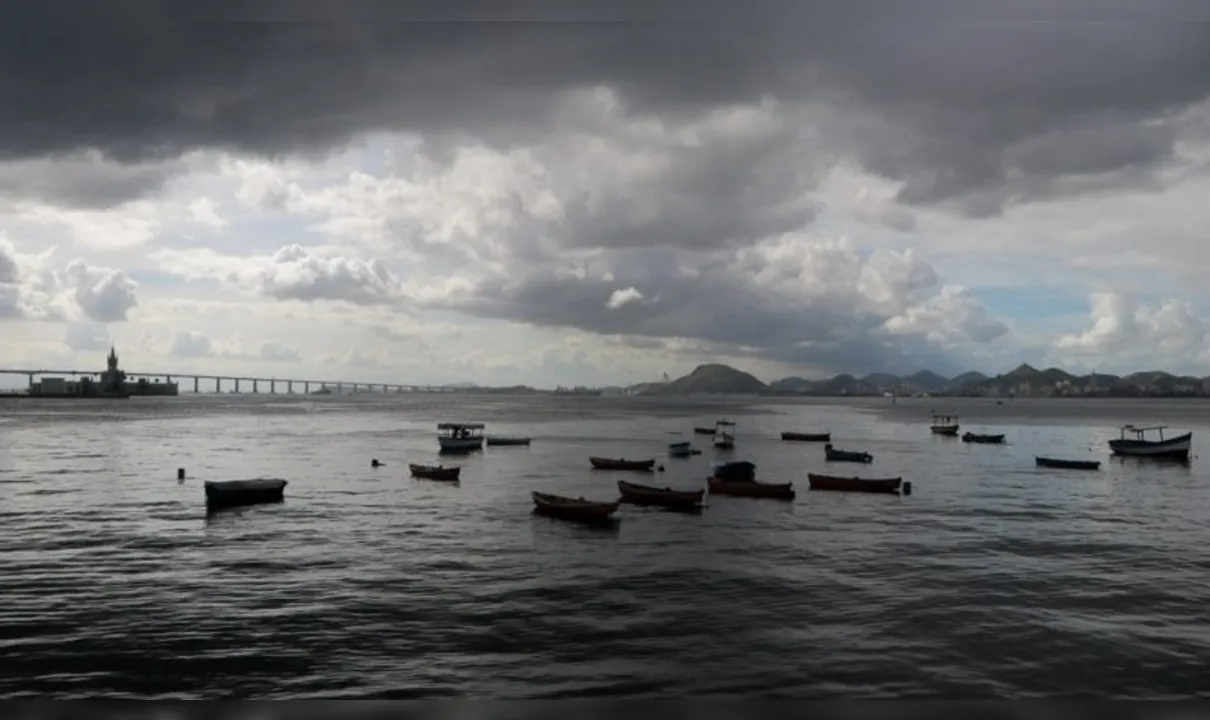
(241, 384)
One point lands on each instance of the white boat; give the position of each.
(1173, 448)
(724, 435)
(460, 437)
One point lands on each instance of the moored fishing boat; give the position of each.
(661, 497)
(460, 437)
(982, 439)
(1173, 448)
(833, 455)
(807, 437)
(724, 435)
(1067, 464)
(502, 441)
(577, 509)
(600, 463)
(944, 425)
(682, 450)
(751, 489)
(703, 431)
(435, 472)
(236, 493)
(854, 484)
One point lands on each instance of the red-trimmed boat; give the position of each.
(600, 463)
(660, 497)
(435, 472)
(751, 489)
(807, 437)
(854, 484)
(577, 509)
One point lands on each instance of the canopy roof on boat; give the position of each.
(459, 426)
(1136, 428)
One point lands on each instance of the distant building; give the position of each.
(111, 382)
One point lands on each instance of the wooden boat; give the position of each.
(807, 437)
(577, 509)
(682, 450)
(854, 484)
(435, 472)
(600, 463)
(1173, 448)
(834, 455)
(236, 493)
(661, 497)
(724, 435)
(703, 431)
(499, 441)
(460, 437)
(944, 425)
(751, 488)
(982, 439)
(1068, 464)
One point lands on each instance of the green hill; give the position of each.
(710, 379)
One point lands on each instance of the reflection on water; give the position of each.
(994, 579)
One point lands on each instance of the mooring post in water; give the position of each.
(180, 473)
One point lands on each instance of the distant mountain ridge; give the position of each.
(1022, 381)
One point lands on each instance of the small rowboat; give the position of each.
(577, 509)
(834, 455)
(806, 437)
(854, 484)
(600, 463)
(237, 493)
(752, 489)
(497, 441)
(1068, 464)
(703, 431)
(971, 437)
(660, 497)
(435, 472)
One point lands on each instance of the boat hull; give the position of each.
(846, 456)
(1067, 464)
(753, 489)
(660, 497)
(460, 445)
(983, 439)
(506, 441)
(430, 472)
(574, 509)
(888, 486)
(239, 493)
(703, 431)
(682, 450)
(599, 463)
(806, 437)
(948, 430)
(1176, 448)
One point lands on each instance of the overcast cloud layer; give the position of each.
(609, 193)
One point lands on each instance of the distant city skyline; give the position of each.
(584, 204)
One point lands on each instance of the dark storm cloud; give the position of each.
(718, 307)
(948, 97)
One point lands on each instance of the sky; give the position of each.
(600, 193)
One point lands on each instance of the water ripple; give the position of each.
(993, 580)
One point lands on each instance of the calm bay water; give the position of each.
(994, 579)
